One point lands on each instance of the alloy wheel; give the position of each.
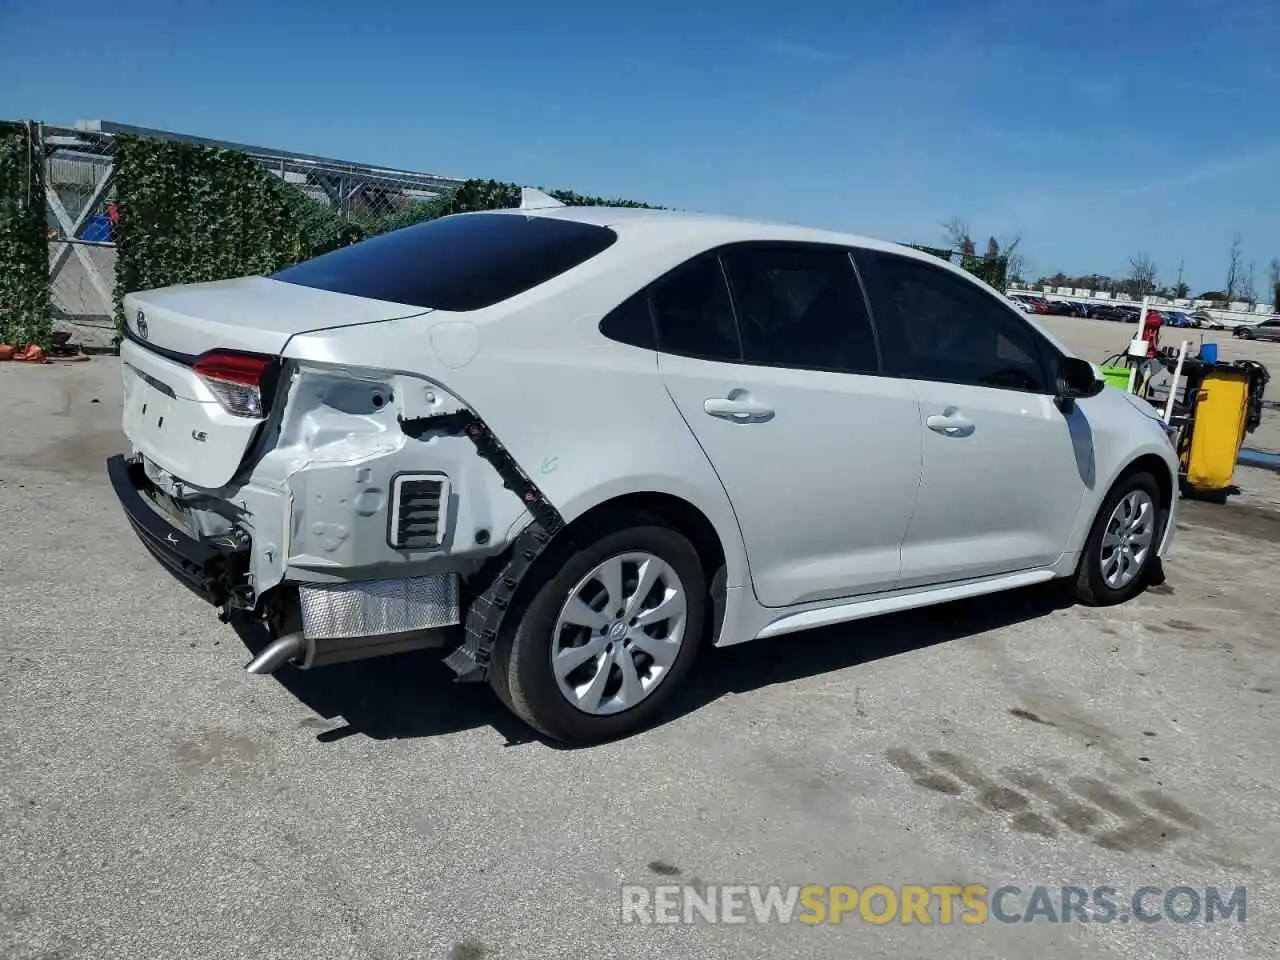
(618, 633)
(1128, 538)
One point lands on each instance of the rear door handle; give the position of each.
(950, 425)
(738, 407)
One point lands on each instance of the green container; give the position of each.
(1116, 377)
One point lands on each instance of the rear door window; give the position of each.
(465, 262)
(800, 306)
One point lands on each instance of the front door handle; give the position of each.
(950, 425)
(738, 407)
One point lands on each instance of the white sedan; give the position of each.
(570, 446)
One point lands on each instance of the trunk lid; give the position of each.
(171, 415)
(254, 314)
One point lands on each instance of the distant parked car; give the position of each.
(1266, 330)
(1114, 313)
(1038, 304)
(1175, 318)
(1207, 320)
(1065, 308)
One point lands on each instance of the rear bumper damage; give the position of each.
(315, 623)
(212, 571)
(333, 552)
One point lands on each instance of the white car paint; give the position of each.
(1000, 494)
(816, 541)
(842, 503)
(182, 428)
(248, 313)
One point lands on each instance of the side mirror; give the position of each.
(1075, 378)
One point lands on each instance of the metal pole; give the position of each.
(1173, 387)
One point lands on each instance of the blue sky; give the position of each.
(1097, 128)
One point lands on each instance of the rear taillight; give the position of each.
(236, 379)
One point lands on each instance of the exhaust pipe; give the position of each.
(277, 653)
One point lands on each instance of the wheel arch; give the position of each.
(1165, 475)
(706, 517)
(1147, 458)
(677, 512)
(1158, 467)
(720, 551)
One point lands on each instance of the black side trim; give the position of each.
(186, 359)
(210, 572)
(486, 612)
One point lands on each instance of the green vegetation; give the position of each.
(191, 213)
(24, 249)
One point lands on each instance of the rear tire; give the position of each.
(1119, 558)
(628, 658)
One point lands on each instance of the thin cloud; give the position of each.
(1039, 140)
(1214, 169)
(1047, 203)
(797, 50)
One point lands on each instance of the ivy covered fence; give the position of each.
(24, 251)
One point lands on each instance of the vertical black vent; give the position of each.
(419, 504)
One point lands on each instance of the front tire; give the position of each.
(1119, 557)
(605, 641)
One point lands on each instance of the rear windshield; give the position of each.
(464, 262)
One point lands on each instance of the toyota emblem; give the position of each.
(142, 324)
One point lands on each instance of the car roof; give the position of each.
(654, 226)
(718, 227)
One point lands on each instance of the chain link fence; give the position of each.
(82, 214)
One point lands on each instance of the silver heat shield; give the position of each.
(366, 608)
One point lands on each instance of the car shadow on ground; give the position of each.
(387, 698)
(414, 694)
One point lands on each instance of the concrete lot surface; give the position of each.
(159, 803)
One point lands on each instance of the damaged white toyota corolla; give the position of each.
(570, 446)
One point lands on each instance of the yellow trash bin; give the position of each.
(1220, 414)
